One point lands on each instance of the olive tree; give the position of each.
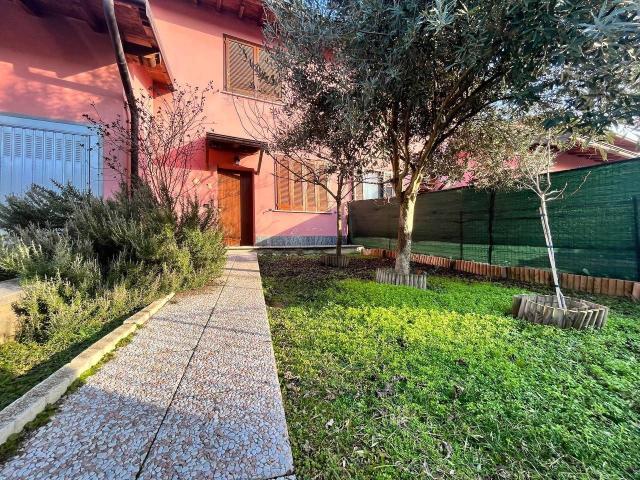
(422, 69)
(313, 146)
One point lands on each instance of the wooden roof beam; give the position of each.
(139, 50)
(32, 7)
(96, 23)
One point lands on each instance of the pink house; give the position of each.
(56, 59)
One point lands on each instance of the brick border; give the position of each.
(16, 415)
(580, 283)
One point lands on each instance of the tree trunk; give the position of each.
(339, 228)
(405, 230)
(544, 218)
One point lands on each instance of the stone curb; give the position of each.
(141, 317)
(15, 416)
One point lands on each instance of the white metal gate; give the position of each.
(42, 151)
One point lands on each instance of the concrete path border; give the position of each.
(16, 415)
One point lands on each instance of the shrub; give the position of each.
(36, 252)
(109, 256)
(40, 206)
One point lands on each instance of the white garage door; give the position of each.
(41, 152)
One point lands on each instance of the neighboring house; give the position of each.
(377, 184)
(56, 59)
(596, 153)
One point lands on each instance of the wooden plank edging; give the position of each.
(580, 283)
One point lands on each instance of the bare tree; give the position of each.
(172, 131)
(321, 148)
(509, 154)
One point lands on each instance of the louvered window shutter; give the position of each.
(323, 199)
(310, 196)
(297, 203)
(240, 74)
(266, 75)
(283, 199)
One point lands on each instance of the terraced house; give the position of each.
(57, 59)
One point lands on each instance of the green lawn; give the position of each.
(24, 365)
(392, 382)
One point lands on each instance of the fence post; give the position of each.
(349, 225)
(492, 207)
(636, 222)
(461, 235)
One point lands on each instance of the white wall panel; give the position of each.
(43, 152)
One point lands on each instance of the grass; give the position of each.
(24, 365)
(12, 445)
(386, 382)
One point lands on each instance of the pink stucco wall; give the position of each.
(55, 68)
(62, 67)
(192, 39)
(570, 161)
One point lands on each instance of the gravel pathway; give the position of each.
(194, 396)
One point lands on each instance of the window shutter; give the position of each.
(310, 196)
(323, 200)
(372, 188)
(297, 203)
(283, 199)
(240, 75)
(268, 83)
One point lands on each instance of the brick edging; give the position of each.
(16, 415)
(581, 283)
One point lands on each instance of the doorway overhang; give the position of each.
(242, 146)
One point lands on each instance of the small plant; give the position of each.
(40, 206)
(518, 153)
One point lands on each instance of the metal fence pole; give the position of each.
(461, 234)
(492, 206)
(636, 222)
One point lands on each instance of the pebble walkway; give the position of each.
(194, 396)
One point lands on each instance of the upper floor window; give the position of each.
(249, 70)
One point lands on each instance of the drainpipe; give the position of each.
(125, 77)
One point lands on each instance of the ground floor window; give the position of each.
(295, 194)
(374, 185)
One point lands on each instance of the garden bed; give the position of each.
(385, 381)
(24, 365)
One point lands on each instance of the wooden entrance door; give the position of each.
(235, 200)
